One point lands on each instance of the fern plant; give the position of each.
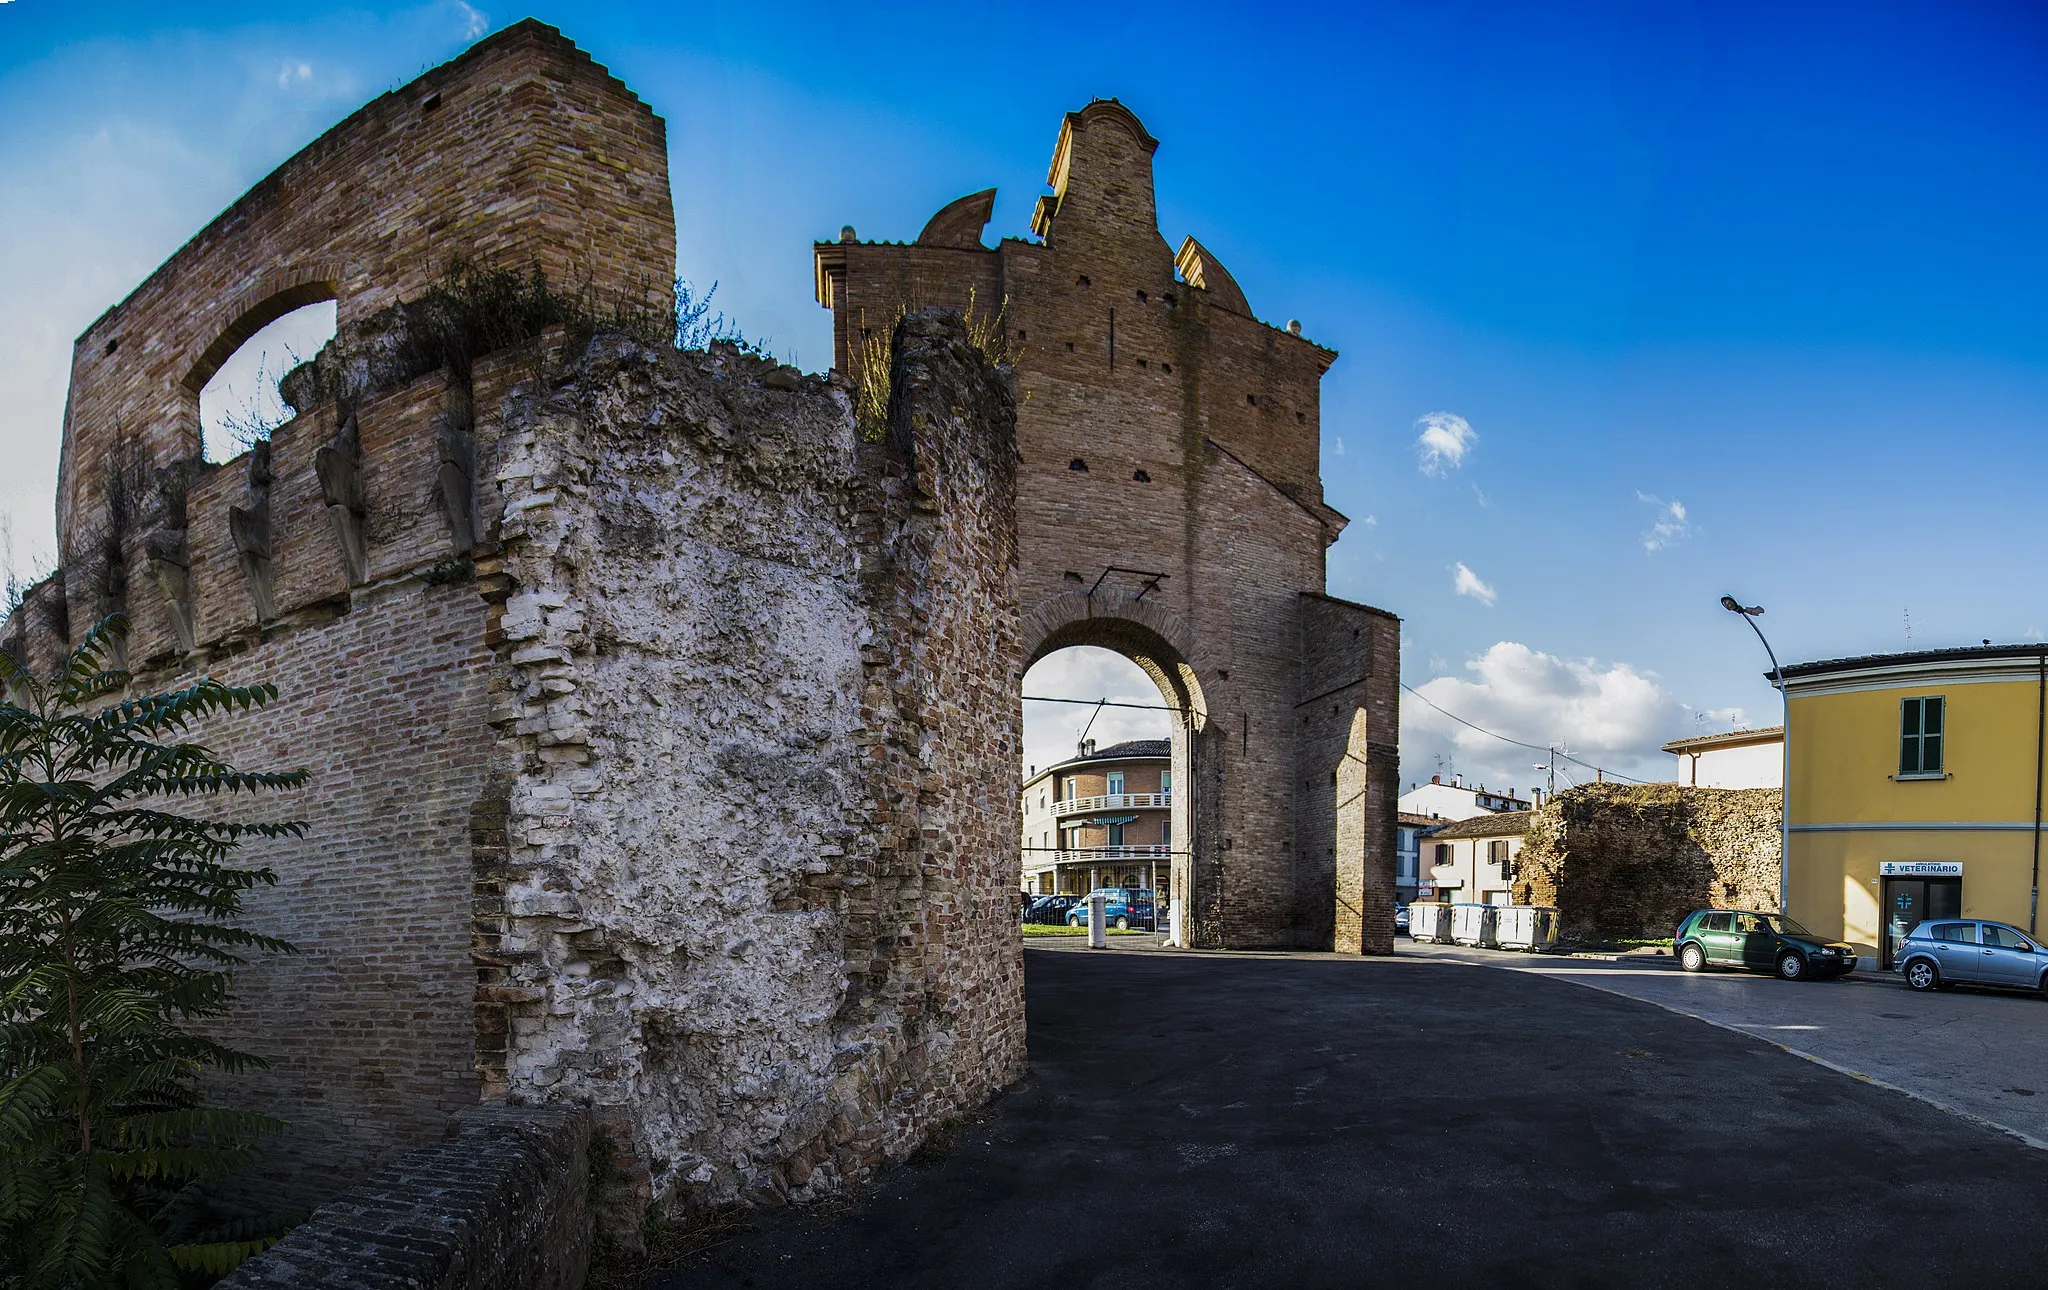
(117, 932)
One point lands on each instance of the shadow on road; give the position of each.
(1208, 1120)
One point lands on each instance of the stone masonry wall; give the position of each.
(663, 734)
(503, 1201)
(757, 716)
(1621, 860)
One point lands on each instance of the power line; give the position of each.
(1103, 703)
(1492, 734)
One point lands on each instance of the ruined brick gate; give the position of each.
(664, 730)
(1170, 507)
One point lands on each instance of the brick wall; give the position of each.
(521, 151)
(1623, 860)
(502, 1202)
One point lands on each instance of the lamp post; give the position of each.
(1749, 614)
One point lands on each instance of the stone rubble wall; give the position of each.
(1628, 860)
(757, 715)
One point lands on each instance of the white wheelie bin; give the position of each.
(1473, 924)
(1429, 922)
(1527, 927)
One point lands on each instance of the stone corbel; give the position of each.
(455, 478)
(340, 467)
(170, 562)
(250, 528)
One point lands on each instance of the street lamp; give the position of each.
(1749, 614)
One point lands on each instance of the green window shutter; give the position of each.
(1931, 736)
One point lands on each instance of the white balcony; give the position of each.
(1113, 802)
(1035, 861)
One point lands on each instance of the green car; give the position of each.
(1760, 942)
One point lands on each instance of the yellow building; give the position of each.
(1916, 791)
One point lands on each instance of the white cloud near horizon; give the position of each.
(1467, 583)
(1444, 443)
(1671, 526)
(1607, 713)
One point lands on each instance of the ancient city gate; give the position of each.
(1171, 508)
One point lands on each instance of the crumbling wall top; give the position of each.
(521, 151)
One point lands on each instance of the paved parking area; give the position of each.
(1311, 1120)
(1977, 1051)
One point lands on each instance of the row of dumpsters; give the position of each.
(1495, 927)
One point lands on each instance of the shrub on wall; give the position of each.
(117, 932)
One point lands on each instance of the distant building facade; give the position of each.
(1473, 860)
(1738, 759)
(1102, 819)
(1408, 853)
(1456, 800)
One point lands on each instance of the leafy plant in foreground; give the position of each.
(117, 931)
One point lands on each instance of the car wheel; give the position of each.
(1791, 965)
(1123, 924)
(1692, 958)
(1922, 975)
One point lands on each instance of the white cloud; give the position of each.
(1370, 521)
(474, 23)
(1445, 440)
(1609, 714)
(1672, 525)
(1467, 583)
(293, 71)
(1084, 672)
(1337, 446)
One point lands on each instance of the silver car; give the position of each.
(1956, 951)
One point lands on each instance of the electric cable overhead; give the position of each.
(1542, 748)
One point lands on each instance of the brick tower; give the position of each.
(1171, 508)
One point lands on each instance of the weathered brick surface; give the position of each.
(1189, 540)
(1625, 860)
(521, 151)
(503, 1202)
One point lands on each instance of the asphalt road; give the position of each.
(1310, 1120)
(1981, 1052)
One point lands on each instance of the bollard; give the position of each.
(1173, 917)
(1098, 924)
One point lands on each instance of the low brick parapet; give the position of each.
(503, 1202)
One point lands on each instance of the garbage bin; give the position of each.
(1429, 923)
(1473, 924)
(1526, 927)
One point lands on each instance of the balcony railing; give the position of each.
(1095, 855)
(1113, 802)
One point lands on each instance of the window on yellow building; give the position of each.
(1920, 735)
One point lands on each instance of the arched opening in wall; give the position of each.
(1106, 780)
(239, 404)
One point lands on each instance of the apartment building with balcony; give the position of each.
(1100, 819)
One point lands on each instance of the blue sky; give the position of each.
(1689, 298)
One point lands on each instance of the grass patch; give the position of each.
(1040, 929)
(1624, 944)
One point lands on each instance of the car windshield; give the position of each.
(1784, 926)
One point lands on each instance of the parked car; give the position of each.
(1122, 907)
(1401, 918)
(1745, 938)
(1956, 951)
(1049, 911)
